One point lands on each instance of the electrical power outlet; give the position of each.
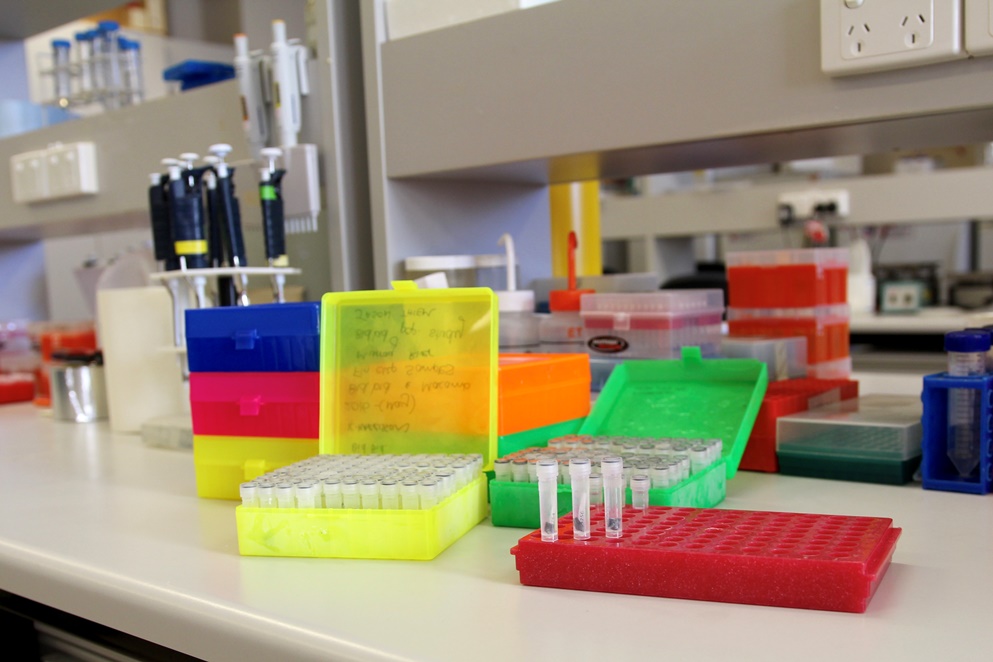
(812, 202)
(861, 36)
(978, 27)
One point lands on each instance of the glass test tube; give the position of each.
(548, 499)
(612, 469)
(579, 472)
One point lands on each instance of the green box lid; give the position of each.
(691, 397)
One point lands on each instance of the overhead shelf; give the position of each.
(129, 145)
(944, 195)
(584, 89)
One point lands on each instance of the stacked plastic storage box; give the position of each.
(254, 391)
(652, 325)
(784, 293)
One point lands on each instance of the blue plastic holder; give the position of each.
(937, 470)
(281, 337)
(192, 74)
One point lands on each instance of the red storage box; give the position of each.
(783, 398)
(16, 387)
(256, 404)
(826, 328)
(790, 278)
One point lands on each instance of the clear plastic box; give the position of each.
(826, 328)
(874, 427)
(785, 358)
(652, 325)
(789, 278)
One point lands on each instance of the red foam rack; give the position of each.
(795, 560)
(17, 387)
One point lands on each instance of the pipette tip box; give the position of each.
(875, 438)
(937, 470)
(803, 561)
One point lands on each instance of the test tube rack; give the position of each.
(803, 561)
(936, 468)
(515, 504)
(415, 535)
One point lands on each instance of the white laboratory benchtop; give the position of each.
(98, 525)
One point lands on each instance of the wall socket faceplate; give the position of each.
(861, 36)
(978, 26)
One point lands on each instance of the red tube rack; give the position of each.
(795, 560)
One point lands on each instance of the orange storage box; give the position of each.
(536, 390)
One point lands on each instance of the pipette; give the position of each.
(248, 70)
(579, 470)
(234, 241)
(215, 249)
(548, 501)
(612, 470)
(273, 222)
(158, 209)
(289, 61)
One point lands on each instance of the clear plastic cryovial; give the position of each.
(640, 484)
(579, 471)
(249, 493)
(332, 493)
(612, 469)
(369, 494)
(548, 499)
(596, 489)
(966, 357)
(389, 494)
(350, 494)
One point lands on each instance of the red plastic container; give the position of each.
(783, 398)
(16, 387)
(826, 329)
(256, 404)
(751, 557)
(792, 278)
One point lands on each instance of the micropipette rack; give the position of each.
(827, 562)
(196, 284)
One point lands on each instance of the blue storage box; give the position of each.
(191, 74)
(279, 337)
(937, 470)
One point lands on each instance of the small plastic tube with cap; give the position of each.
(249, 493)
(389, 494)
(350, 494)
(501, 469)
(285, 497)
(332, 493)
(519, 470)
(267, 495)
(548, 498)
(428, 490)
(410, 498)
(699, 458)
(533, 470)
(966, 358)
(307, 493)
(660, 475)
(579, 472)
(640, 484)
(596, 489)
(369, 494)
(612, 469)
